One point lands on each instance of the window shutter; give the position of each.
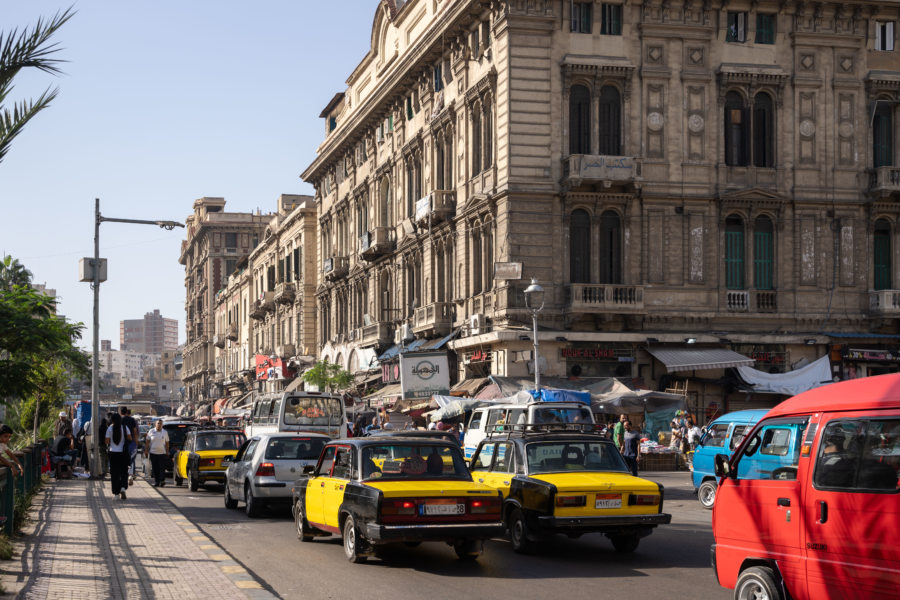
(741, 27)
(573, 14)
(889, 36)
(878, 35)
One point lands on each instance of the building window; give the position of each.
(439, 165)
(734, 253)
(737, 27)
(610, 116)
(882, 251)
(580, 247)
(610, 248)
(579, 120)
(884, 35)
(763, 254)
(487, 244)
(882, 135)
(488, 126)
(765, 29)
(438, 78)
(611, 19)
(332, 124)
(231, 240)
(736, 130)
(477, 261)
(763, 131)
(476, 141)
(582, 15)
(409, 108)
(384, 208)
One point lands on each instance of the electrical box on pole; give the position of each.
(86, 270)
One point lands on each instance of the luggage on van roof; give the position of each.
(552, 395)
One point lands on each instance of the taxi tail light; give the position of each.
(643, 499)
(571, 500)
(265, 469)
(399, 506)
(207, 462)
(481, 506)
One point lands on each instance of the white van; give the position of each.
(486, 418)
(298, 411)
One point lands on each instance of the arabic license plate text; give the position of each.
(608, 501)
(443, 509)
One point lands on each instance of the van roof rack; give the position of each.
(507, 431)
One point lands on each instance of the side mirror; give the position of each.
(309, 469)
(723, 469)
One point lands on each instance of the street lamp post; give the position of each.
(96, 471)
(534, 300)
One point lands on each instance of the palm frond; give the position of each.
(30, 48)
(12, 122)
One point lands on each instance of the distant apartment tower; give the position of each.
(153, 334)
(105, 345)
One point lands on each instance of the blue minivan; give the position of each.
(722, 436)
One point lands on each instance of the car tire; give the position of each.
(179, 481)
(468, 550)
(300, 521)
(625, 543)
(518, 532)
(757, 583)
(194, 481)
(351, 541)
(230, 502)
(252, 504)
(707, 494)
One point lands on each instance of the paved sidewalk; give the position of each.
(82, 542)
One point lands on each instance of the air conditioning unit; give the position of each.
(477, 324)
(403, 334)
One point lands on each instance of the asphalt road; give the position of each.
(673, 562)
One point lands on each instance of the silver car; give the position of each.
(267, 465)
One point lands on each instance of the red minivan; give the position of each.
(823, 520)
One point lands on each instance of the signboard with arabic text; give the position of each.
(424, 374)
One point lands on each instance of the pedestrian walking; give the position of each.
(631, 441)
(156, 447)
(117, 438)
(129, 422)
(619, 431)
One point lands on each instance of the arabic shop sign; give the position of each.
(872, 355)
(424, 374)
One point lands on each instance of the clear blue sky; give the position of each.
(162, 103)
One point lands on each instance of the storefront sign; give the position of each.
(872, 355)
(424, 374)
(765, 356)
(268, 368)
(596, 353)
(478, 356)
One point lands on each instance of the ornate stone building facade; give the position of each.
(688, 176)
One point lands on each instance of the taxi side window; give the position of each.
(482, 462)
(774, 451)
(342, 464)
(504, 462)
(859, 455)
(476, 420)
(324, 468)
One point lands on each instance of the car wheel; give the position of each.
(757, 583)
(300, 521)
(468, 550)
(194, 481)
(178, 479)
(625, 543)
(351, 541)
(252, 504)
(707, 494)
(518, 533)
(230, 502)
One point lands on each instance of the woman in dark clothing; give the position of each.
(117, 438)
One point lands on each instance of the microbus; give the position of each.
(316, 412)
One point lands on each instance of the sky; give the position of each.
(162, 103)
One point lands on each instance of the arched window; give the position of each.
(734, 253)
(882, 136)
(384, 290)
(384, 204)
(476, 141)
(487, 244)
(882, 251)
(610, 115)
(610, 247)
(763, 131)
(440, 275)
(737, 138)
(579, 120)
(580, 247)
(476, 260)
(763, 254)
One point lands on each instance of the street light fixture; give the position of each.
(96, 470)
(534, 301)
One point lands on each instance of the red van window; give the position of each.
(859, 455)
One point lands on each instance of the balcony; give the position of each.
(257, 311)
(884, 182)
(581, 169)
(286, 350)
(884, 303)
(439, 206)
(219, 341)
(232, 332)
(436, 318)
(376, 334)
(335, 267)
(739, 301)
(268, 301)
(605, 298)
(375, 243)
(766, 301)
(284, 293)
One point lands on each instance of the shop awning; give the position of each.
(440, 342)
(396, 349)
(691, 359)
(392, 390)
(468, 387)
(791, 383)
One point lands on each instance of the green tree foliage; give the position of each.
(28, 48)
(328, 376)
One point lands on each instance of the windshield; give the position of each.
(177, 433)
(402, 461)
(317, 410)
(562, 456)
(226, 440)
(295, 448)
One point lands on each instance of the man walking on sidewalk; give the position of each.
(129, 422)
(117, 438)
(157, 447)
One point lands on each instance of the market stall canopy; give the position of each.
(691, 359)
(468, 387)
(450, 407)
(791, 383)
(501, 387)
(636, 401)
(407, 405)
(392, 390)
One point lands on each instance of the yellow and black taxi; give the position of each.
(570, 482)
(206, 455)
(376, 491)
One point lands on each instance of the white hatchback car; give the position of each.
(267, 465)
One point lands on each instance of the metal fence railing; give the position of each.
(32, 459)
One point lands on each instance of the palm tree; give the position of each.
(13, 273)
(20, 50)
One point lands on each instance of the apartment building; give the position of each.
(696, 186)
(152, 334)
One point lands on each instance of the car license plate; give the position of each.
(608, 501)
(442, 509)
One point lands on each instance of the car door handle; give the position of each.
(784, 502)
(505, 483)
(481, 480)
(823, 512)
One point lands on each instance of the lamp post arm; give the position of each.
(168, 225)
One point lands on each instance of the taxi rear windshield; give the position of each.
(556, 457)
(295, 448)
(426, 461)
(220, 441)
